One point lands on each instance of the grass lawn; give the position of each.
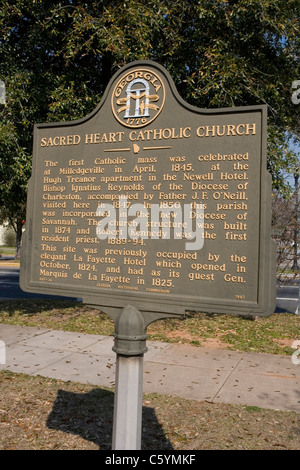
(274, 334)
(38, 413)
(7, 251)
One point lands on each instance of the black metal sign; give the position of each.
(152, 202)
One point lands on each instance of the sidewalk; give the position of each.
(214, 375)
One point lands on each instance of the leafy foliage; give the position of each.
(56, 59)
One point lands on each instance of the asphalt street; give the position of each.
(287, 296)
(9, 285)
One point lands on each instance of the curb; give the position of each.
(5, 263)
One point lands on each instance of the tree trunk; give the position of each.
(18, 238)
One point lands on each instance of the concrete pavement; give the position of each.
(215, 375)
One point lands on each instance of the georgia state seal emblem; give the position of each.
(138, 97)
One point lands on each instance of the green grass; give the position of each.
(273, 334)
(7, 250)
(252, 409)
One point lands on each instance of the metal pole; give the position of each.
(127, 426)
(130, 346)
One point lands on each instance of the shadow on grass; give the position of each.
(34, 306)
(90, 416)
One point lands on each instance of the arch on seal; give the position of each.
(141, 107)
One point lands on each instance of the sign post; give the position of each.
(149, 207)
(130, 346)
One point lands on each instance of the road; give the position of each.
(287, 295)
(9, 285)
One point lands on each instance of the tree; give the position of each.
(15, 171)
(57, 58)
(285, 227)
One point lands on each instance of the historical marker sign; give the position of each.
(152, 202)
